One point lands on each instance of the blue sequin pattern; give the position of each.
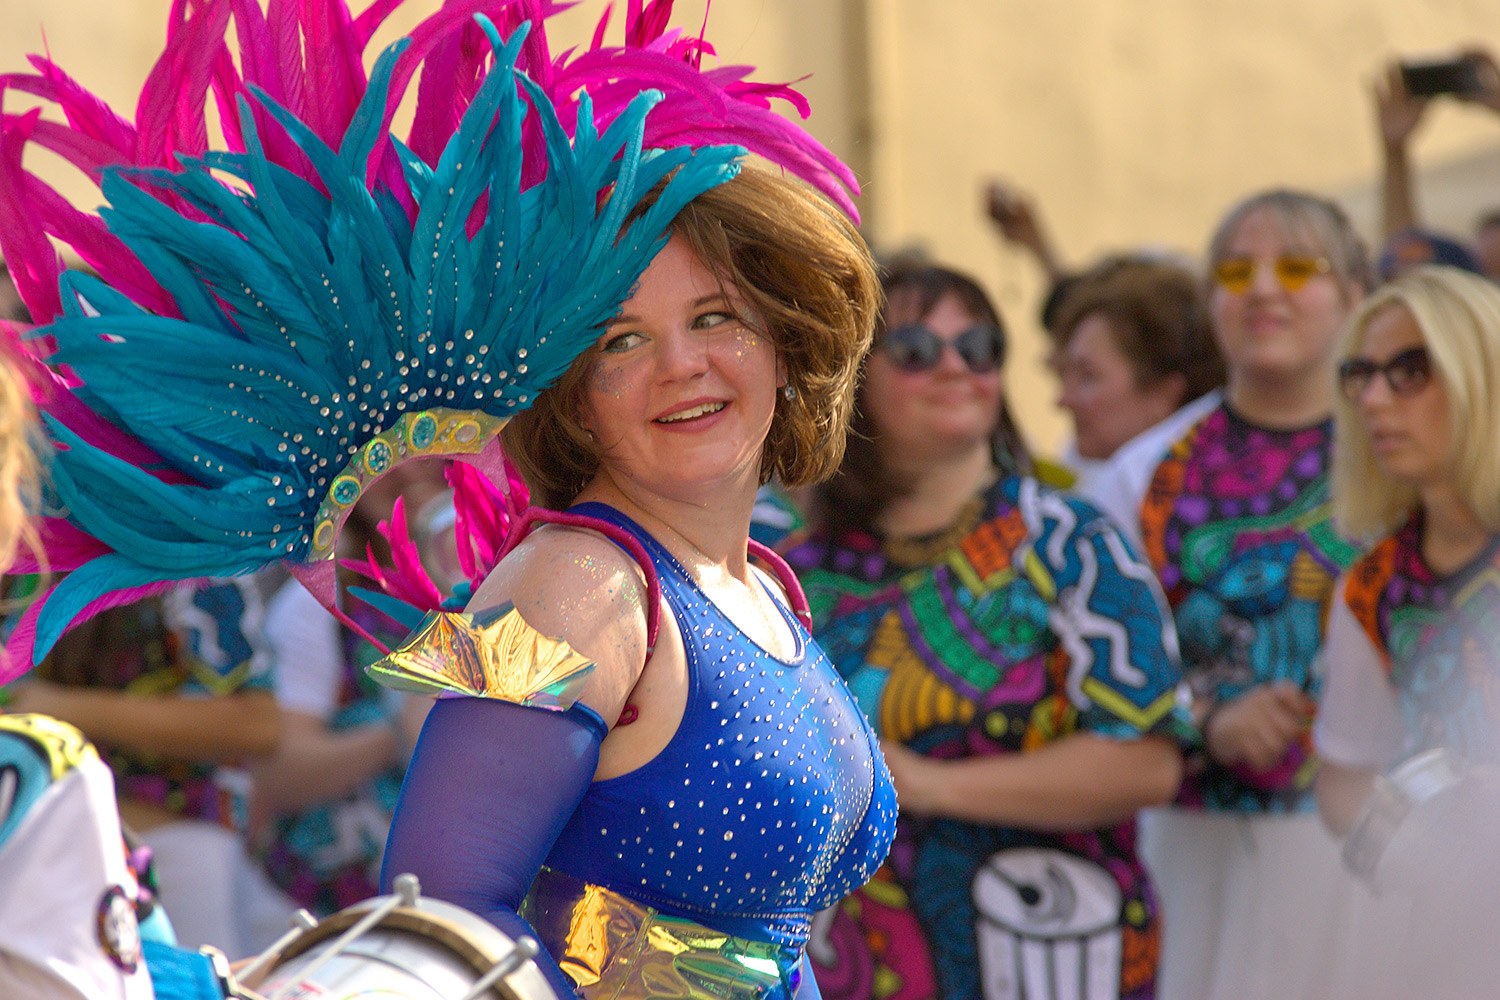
(771, 801)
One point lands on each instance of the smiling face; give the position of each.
(937, 413)
(1410, 432)
(1270, 332)
(681, 394)
(1100, 388)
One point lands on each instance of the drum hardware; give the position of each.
(524, 951)
(302, 921)
(399, 946)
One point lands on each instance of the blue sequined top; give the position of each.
(771, 801)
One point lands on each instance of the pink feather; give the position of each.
(88, 154)
(450, 76)
(170, 114)
(34, 264)
(427, 37)
(84, 111)
(483, 517)
(66, 547)
(407, 579)
(281, 18)
(87, 234)
(20, 646)
(334, 67)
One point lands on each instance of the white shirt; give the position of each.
(1117, 484)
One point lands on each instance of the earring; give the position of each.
(789, 392)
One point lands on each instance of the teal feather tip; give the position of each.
(314, 316)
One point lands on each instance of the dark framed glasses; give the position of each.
(1407, 373)
(1293, 271)
(914, 348)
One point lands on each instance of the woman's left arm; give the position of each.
(1080, 782)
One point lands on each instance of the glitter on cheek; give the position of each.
(606, 379)
(747, 344)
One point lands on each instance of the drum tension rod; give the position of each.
(302, 922)
(525, 950)
(408, 890)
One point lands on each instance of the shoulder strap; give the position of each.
(787, 579)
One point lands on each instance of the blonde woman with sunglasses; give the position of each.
(1237, 524)
(1018, 662)
(1413, 651)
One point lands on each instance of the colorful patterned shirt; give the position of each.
(1237, 523)
(198, 640)
(1439, 640)
(1038, 623)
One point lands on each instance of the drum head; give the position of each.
(429, 951)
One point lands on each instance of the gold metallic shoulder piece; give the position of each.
(487, 654)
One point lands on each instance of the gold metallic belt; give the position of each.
(614, 948)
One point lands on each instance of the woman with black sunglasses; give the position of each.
(1413, 651)
(1237, 524)
(1019, 663)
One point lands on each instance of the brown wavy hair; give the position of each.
(810, 284)
(1158, 314)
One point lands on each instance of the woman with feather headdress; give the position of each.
(637, 731)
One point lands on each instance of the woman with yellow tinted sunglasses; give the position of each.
(1236, 523)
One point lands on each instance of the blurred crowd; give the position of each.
(1240, 637)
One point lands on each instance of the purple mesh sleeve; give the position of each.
(489, 789)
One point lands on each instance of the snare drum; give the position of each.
(397, 947)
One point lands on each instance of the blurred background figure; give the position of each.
(1138, 366)
(1237, 524)
(1413, 653)
(1017, 660)
(1131, 346)
(1018, 220)
(1403, 94)
(323, 800)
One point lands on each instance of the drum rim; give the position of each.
(454, 929)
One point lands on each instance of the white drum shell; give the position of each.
(428, 951)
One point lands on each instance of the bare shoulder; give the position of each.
(578, 586)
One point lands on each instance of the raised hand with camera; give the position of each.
(1484, 79)
(1398, 112)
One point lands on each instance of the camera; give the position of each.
(1428, 78)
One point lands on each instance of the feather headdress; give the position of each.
(279, 322)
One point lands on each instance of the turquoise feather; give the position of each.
(311, 319)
